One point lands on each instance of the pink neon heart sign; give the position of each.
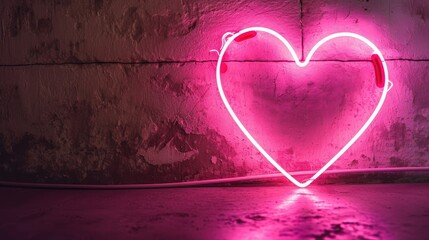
(382, 81)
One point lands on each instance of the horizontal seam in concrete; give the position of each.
(195, 61)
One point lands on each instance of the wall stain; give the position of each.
(420, 132)
(21, 16)
(15, 157)
(168, 83)
(398, 132)
(49, 49)
(397, 162)
(44, 26)
(131, 25)
(208, 145)
(76, 157)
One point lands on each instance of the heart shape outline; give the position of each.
(386, 88)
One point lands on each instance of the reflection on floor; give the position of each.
(385, 211)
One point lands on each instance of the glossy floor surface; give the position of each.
(385, 211)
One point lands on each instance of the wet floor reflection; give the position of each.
(312, 214)
(319, 215)
(385, 211)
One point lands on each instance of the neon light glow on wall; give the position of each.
(381, 81)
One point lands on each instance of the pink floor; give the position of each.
(384, 211)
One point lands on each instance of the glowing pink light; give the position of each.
(380, 67)
(293, 198)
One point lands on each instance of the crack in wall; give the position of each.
(201, 61)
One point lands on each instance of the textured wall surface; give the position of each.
(125, 91)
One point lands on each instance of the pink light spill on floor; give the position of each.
(388, 211)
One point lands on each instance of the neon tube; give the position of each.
(251, 32)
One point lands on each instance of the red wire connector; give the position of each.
(245, 36)
(379, 71)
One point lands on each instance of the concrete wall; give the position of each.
(125, 91)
